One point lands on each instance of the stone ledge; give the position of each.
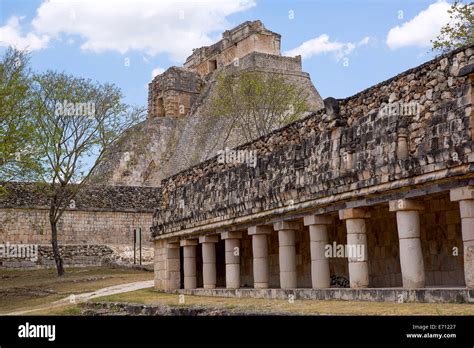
(425, 295)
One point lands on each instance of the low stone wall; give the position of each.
(75, 227)
(73, 256)
(121, 308)
(434, 295)
(79, 255)
(99, 228)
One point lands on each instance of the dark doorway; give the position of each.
(212, 65)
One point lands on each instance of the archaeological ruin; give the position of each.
(388, 170)
(175, 135)
(370, 197)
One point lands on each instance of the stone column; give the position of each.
(232, 259)
(189, 262)
(411, 255)
(318, 231)
(209, 260)
(357, 241)
(173, 276)
(260, 255)
(465, 197)
(287, 253)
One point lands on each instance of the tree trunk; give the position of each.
(54, 243)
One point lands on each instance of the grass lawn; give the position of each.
(25, 289)
(150, 296)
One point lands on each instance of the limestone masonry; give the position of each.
(97, 227)
(372, 191)
(388, 170)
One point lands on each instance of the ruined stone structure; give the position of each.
(173, 93)
(388, 172)
(97, 227)
(376, 188)
(244, 39)
(176, 133)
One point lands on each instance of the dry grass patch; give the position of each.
(25, 289)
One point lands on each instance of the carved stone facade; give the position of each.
(388, 171)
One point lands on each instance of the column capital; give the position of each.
(286, 225)
(462, 193)
(231, 235)
(172, 245)
(318, 220)
(188, 242)
(209, 239)
(404, 205)
(354, 213)
(262, 229)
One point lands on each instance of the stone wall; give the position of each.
(73, 256)
(172, 93)
(341, 152)
(100, 198)
(99, 228)
(235, 44)
(76, 227)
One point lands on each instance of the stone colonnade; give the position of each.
(408, 226)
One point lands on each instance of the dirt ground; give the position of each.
(26, 289)
(35, 289)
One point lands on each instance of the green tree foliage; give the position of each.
(75, 121)
(459, 31)
(256, 102)
(17, 147)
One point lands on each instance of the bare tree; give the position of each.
(76, 120)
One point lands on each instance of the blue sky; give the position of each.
(346, 45)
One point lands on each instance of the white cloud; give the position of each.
(151, 26)
(322, 44)
(157, 71)
(10, 35)
(421, 29)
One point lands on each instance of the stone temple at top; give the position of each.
(236, 43)
(249, 46)
(180, 131)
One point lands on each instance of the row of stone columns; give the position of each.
(408, 225)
